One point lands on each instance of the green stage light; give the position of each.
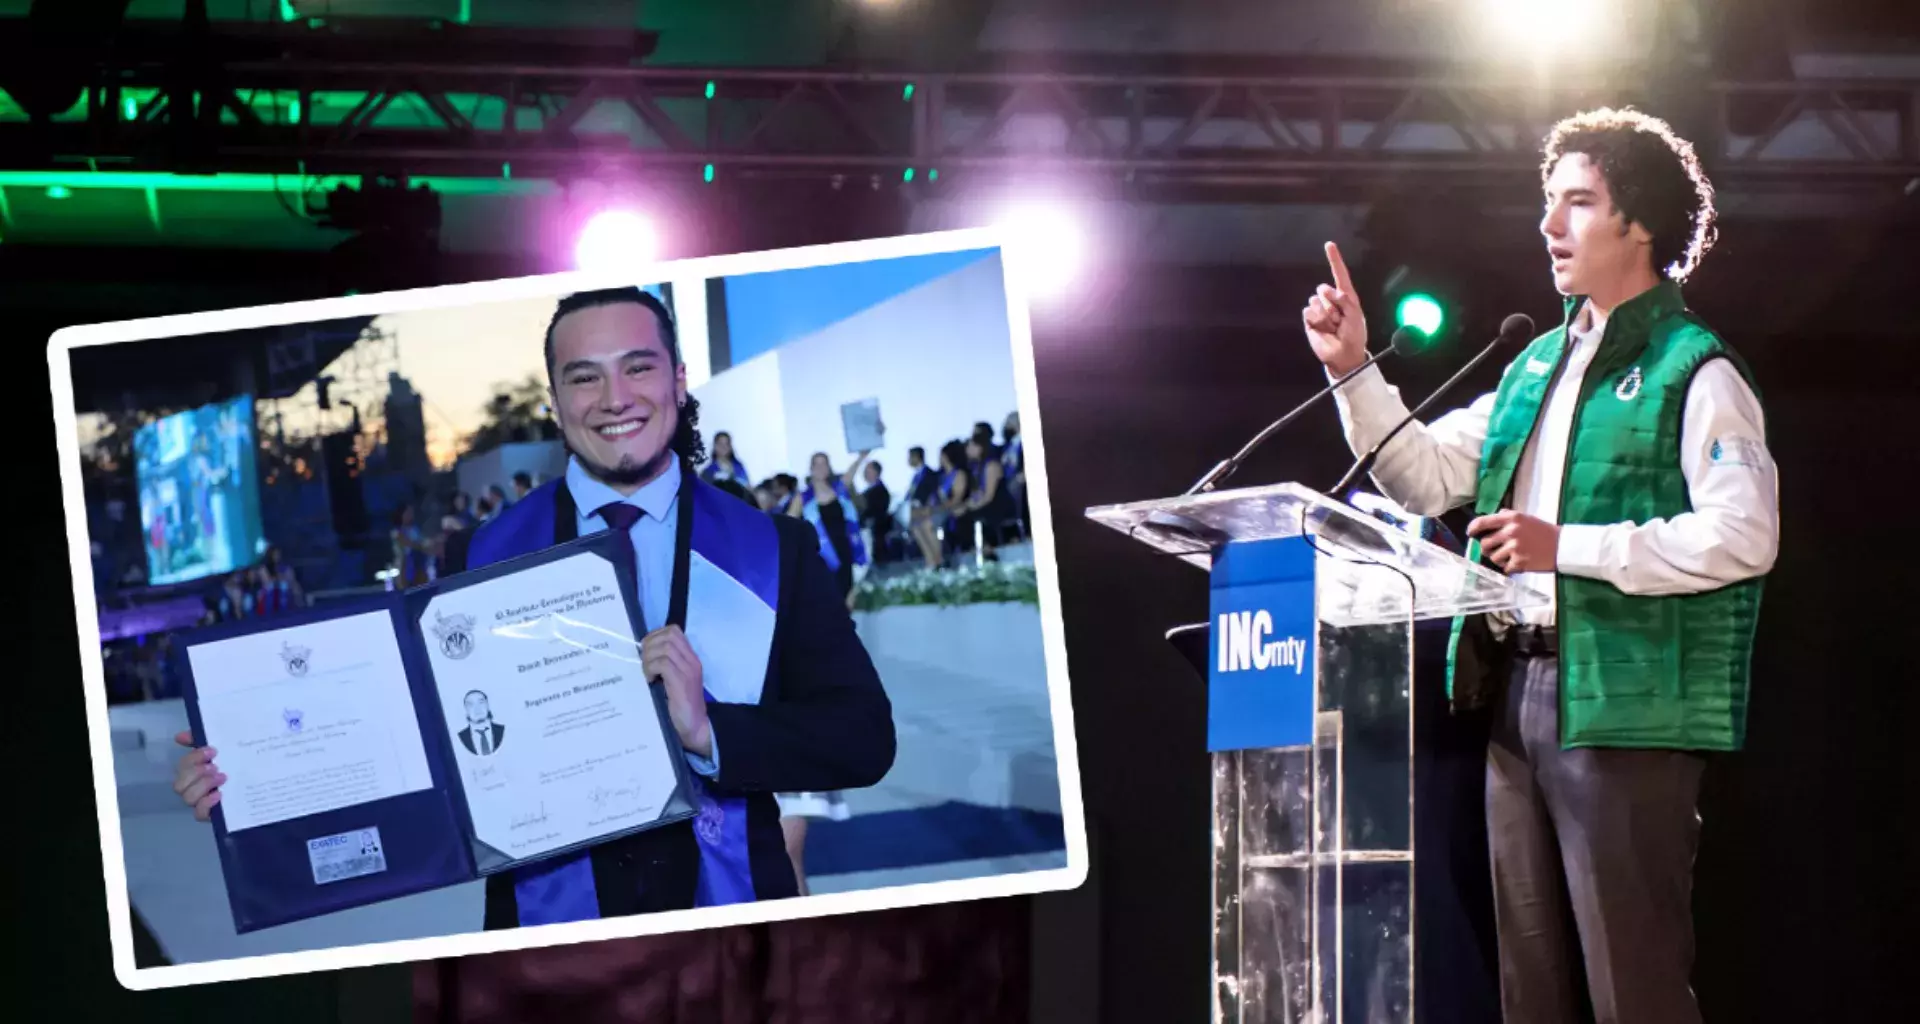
(710, 90)
(293, 111)
(907, 93)
(706, 174)
(58, 192)
(130, 107)
(1422, 313)
(933, 174)
(908, 176)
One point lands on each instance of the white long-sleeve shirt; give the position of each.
(1731, 534)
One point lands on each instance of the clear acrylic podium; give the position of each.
(1313, 845)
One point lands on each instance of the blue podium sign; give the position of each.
(1260, 685)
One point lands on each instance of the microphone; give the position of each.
(1513, 330)
(1404, 341)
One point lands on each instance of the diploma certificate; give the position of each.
(861, 423)
(386, 745)
(554, 729)
(309, 719)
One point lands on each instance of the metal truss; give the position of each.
(928, 130)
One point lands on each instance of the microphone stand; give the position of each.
(1190, 530)
(1365, 462)
(1402, 342)
(1514, 328)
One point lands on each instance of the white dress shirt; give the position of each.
(1731, 534)
(653, 550)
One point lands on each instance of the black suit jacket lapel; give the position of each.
(566, 515)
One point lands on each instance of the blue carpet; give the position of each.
(929, 835)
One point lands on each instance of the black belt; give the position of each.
(1534, 641)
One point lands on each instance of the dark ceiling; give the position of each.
(501, 218)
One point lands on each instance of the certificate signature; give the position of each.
(487, 778)
(529, 819)
(604, 798)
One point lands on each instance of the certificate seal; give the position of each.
(455, 633)
(296, 659)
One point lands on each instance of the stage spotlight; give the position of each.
(1543, 25)
(1049, 245)
(614, 239)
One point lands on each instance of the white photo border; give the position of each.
(1016, 258)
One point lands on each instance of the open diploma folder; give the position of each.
(395, 744)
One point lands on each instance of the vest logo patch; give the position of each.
(1629, 385)
(1536, 367)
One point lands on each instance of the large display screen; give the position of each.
(199, 493)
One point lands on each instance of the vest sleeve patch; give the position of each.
(1732, 451)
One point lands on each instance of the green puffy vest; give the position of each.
(1668, 672)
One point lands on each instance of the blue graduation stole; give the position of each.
(810, 509)
(726, 595)
(712, 471)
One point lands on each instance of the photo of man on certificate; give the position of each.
(552, 713)
(482, 735)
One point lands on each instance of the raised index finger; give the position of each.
(1341, 279)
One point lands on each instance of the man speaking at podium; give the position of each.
(1621, 466)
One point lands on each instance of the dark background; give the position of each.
(1151, 371)
(1804, 879)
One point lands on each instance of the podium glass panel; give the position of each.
(1313, 845)
(1443, 583)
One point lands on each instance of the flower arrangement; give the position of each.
(994, 582)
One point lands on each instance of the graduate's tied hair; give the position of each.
(1654, 177)
(687, 442)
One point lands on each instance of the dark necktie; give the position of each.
(620, 517)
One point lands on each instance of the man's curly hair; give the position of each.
(1653, 175)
